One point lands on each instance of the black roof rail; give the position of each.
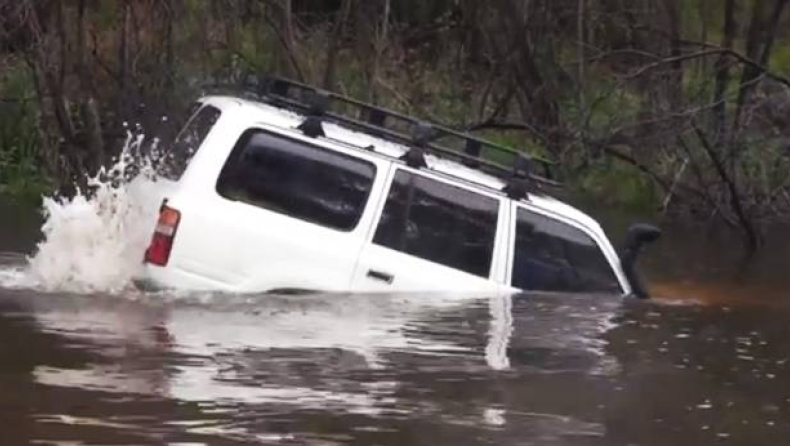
(312, 127)
(522, 172)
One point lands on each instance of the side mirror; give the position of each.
(637, 236)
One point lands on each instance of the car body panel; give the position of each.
(233, 246)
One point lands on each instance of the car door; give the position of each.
(288, 213)
(434, 234)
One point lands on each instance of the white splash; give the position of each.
(12, 277)
(94, 242)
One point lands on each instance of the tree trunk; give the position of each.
(290, 38)
(169, 50)
(338, 31)
(123, 50)
(675, 78)
(89, 108)
(581, 42)
(539, 104)
(760, 40)
(380, 43)
(723, 75)
(704, 14)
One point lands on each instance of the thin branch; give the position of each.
(735, 197)
(496, 125)
(713, 50)
(16, 100)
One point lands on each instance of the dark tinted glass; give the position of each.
(439, 222)
(297, 179)
(188, 142)
(553, 256)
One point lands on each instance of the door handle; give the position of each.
(381, 276)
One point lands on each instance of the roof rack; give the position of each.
(523, 173)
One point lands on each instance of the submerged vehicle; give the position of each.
(290, 188)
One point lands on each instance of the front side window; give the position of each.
(297, 179)
(553, 256)
(188, 141)
(439, 222)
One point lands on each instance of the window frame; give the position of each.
(238, 147)
(601, 243)
(195, 109)
(497, 270)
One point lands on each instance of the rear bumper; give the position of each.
(147, 285)
(157, 278)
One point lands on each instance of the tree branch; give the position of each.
(735, 197)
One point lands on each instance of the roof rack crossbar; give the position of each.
(318, 102)
(474, 149)
(387, 124)
(376, 117)
(279, 87)
(415, 156)
(521, 183)
(487, 166)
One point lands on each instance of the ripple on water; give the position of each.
(342, 353)
(13, 271)
(534, 369)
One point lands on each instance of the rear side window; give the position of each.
(440, 223)
(297, 179)
(188, 141)
(553, 256)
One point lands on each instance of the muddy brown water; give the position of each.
(707, 362)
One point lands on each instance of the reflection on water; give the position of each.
(345, 369)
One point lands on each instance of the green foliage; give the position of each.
(438, 60)
(516, 140)
(613, 183)
(20, 173)
(780, 58)
(611, 107)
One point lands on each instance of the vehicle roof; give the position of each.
(288, 120)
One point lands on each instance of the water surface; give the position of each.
(705, 363)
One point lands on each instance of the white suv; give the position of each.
(280, 192)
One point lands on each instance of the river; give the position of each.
(705, 362)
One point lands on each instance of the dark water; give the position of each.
(707, 363)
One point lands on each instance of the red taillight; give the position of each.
(158, 252)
